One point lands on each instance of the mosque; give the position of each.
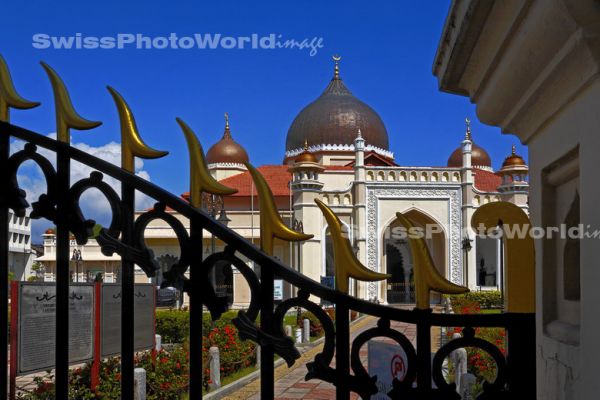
(337, 150)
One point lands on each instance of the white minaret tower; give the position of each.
(306, 187)
(360, 207)
(515, 183)
(468, 240)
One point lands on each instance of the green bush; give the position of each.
(485, 299)
(172, 325)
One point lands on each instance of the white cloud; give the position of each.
(92, 202)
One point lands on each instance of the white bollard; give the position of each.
(288, 330)
(214, 367)
(157, 342)
(298, 335)
(306, 331)
(139, 384)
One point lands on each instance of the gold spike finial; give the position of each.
(336, 72)
(427, 277)
(200, 178)
(519, 253)
(468, 131)
(132, 144)
(66, 116)
(346, 264)
(226, 121)
(9, 98)
(305, 145)
(514, 150)
(271, 224)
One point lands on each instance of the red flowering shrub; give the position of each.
(480, 363)
(234, 353)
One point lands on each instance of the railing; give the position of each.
(515, 372)
(191, 274)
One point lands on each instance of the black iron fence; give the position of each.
(125, 236)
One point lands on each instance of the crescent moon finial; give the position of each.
(132, 144)
(519, 253)
(200, 178)
(9, 98)
(336, 73)
(66, 116)
(346, 264)
(271, 224)
(427, 277)
(468, 132)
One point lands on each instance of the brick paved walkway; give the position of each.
(290, 383)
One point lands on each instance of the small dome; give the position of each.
(226, 150)
(334, 118)
(305, 156)
(479, 157)
(49, 231)
(514, 160)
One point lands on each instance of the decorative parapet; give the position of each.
(338, 147)
(413, 174)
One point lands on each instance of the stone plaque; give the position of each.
(111, 318)
(37, 325)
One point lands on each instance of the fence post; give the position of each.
(306, 331)
(157, 342)
(139, 384)
(298, 335)
(215, 367)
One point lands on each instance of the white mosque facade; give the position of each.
(337, 151)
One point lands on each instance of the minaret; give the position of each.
(360, 203)
(306, 187)
(468, 209)
(515, 183)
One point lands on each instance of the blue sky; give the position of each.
(387, 51)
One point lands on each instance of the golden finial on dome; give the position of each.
(468, 132)
(305, 145)
(227, 132)
(514, 150)
(336, 59)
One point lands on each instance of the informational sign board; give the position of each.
(278, 289)
(387, 361)
(110, 326)
(37, 325)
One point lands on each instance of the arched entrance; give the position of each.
(397, 258)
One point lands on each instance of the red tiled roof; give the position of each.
(339, 168)
(486, 181)
(277, 177)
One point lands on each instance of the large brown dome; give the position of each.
(479, 157)
(226, 150)
(334, 119)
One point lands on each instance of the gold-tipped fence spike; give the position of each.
(271, 224)
(346, 264)
(132, 144)
(519, 253)
(9, 98)
(427, 277)
(200, 178)
(66, 116)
